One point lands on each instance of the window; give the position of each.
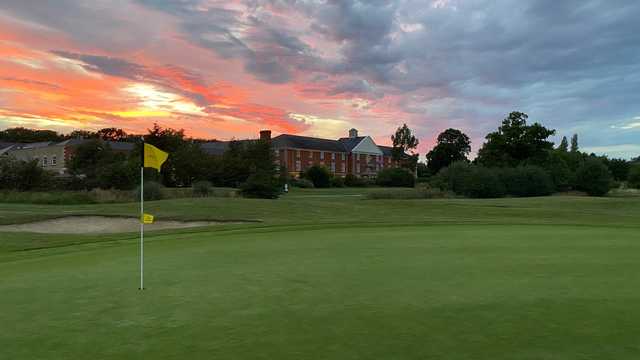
(333, 167)
(44, 161)
(343, 167)
(333, 156)
(54, 160)
(297, 165)
(344, 156)
(297, 154)
(321, 155)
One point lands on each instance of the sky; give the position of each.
(227, 69)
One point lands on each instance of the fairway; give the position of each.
(455, 279)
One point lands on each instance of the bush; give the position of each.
(152, 191)
(634, 177)
(395, 177)
(593, 177)
(337, 181)
(420, 192)
(201, 188)
(354, 181)
(261, 185)
(483, 183)
(559, 171)
(302, 183)
(469, 180)
(319, 175)
(453, 178)
(527, 181)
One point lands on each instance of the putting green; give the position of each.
(331, 292)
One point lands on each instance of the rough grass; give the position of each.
(99, 196)
(331, 277)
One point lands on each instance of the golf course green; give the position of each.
(330, 275)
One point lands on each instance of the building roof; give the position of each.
(386, 150)
(306, 142)
(120, 145)
(350, 142)
(34, 145)
(214, 147)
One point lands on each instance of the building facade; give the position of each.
(357, 155)
(53, 156)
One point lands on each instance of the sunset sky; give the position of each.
(226, 69)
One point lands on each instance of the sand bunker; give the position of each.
(100, 225)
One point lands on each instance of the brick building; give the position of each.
(357, 155)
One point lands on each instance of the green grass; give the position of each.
(331, 277)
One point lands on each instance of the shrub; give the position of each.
(453, 178)
(395, 177)
(337, 181)
(469, 180)
(634, 177)
(201, 188)
(355, 181)
(483, 183)
(261, 185)
(420, 192)
(593, 177)
(559, 171)
(527, 181)
(152, 191)
(319, 175)
(302, 183)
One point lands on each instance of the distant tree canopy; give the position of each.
(515, 142)
(564, 144)
(24, 135)
(453, 145)
(404, 145)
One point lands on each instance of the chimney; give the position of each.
(265, 135)
(353, 133)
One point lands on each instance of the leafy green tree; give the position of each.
(263, 179)
(574, 143)
(634, 176)
(556, 166)
(564, 144)
(619, 168)
(515, 142)
(453, 145)
(527, 181)
(593, 177)
(112, 134)
(422, 170)
(404, 145)
(395, 177)
(24, 135)
(319, 175)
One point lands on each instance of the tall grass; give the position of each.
(99, 196)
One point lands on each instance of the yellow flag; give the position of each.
(147, 219)
(154, 157)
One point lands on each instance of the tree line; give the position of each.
(517, 159)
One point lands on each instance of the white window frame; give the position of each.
(333, 156)
(54, 160)
(344, 156)
(45, 161)
(321, 155)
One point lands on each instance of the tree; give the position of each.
(263, 180)
(102, 167)
(593, 177)
(404, 144)
(395, 177)
(619, 168)
(574, 143)
(453, 145)
(634, 176)
(82, 134)
(112, 134)
(564, 144)
(24, 135)
(319, 175)
(515, 142)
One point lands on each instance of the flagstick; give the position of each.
(142, 225)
